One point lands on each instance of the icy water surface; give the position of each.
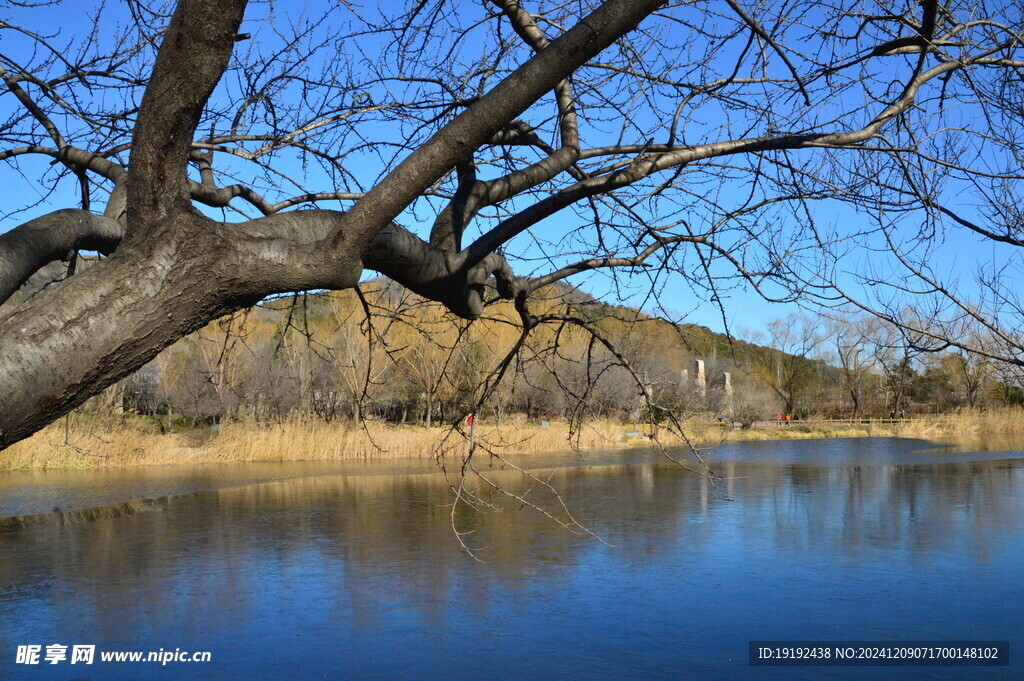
(355, 576)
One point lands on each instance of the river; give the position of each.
(356, 572)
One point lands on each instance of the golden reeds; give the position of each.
(81, 442)
(89, 441)
(967, 423)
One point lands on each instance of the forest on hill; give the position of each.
(386, 354)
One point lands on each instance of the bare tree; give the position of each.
(690, 138)
(897, 354)
(972, 374)
(848, 346)
(786, 365)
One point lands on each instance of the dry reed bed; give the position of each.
(80, 442)
(968, 423)
(87, 441)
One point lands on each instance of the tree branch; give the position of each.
(55, 236)
(191, 60)
(455, 142)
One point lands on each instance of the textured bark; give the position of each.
(192, 58)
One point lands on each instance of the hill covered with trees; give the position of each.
(385, 354)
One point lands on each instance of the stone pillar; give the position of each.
(684, 377)
(699, 380)
(727, 393)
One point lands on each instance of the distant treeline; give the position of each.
(385, 354)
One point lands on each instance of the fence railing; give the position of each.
(859, 421)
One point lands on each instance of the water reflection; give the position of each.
(33, 492)
(303, 577)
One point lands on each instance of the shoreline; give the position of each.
(88, 441)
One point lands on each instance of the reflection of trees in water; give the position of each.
(914, 509)
(361, 546)
(359, 542)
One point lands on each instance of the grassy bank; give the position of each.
(89, 441)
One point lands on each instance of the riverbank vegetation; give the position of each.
(88, 441)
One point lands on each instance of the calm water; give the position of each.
(361, 576)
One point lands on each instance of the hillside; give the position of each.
(319, 353)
